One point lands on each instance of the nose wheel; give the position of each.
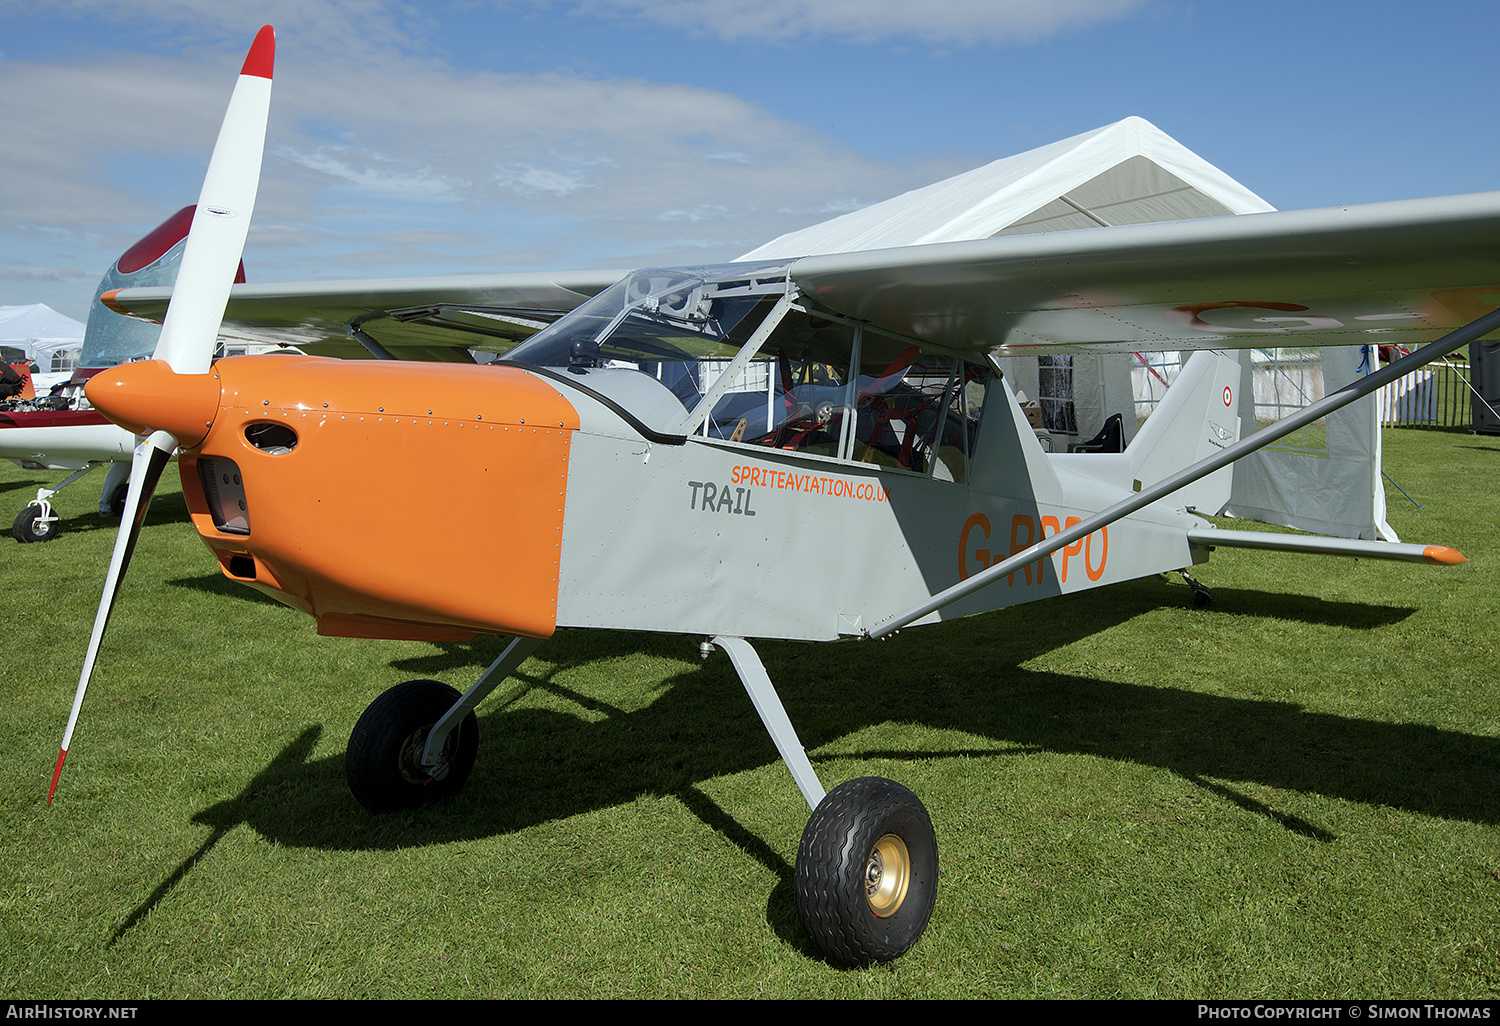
(867, 870)
(35, 524)
(383, 760)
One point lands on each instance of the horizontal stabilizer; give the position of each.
(1440, 555)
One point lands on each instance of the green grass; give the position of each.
(1294, 793)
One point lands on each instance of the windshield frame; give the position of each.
(657, 320)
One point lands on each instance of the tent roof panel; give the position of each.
(1130, 170)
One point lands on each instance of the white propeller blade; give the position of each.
(222, 220)
(146, 466)
(209, 262)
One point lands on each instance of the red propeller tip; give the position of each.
(262, 56)
(62, 754)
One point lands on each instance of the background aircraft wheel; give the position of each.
(383, 760)
(866, 872)
(116, 502)
(29, 527)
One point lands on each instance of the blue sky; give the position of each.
(501, 135)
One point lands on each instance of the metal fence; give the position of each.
(1436, 396)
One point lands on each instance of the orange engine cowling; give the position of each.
(389, 500)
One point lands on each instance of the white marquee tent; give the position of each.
(43, 333)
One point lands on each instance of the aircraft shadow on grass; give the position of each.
(26, 485)
(167, 509)
(218, 584)
(537, 765)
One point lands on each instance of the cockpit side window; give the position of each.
(919, 413)
(794, 394)
(900, 410)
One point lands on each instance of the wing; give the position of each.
(1383, 273)
(413, 318)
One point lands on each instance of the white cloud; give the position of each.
(48, 273)
(696, 215)
(380, 135)
(946, 22)
(530, 180)
(378, 176)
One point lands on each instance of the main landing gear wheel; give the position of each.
(383, 760)
(30, 527)
(867, 872)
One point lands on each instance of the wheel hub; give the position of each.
(887, 875)
(410, 758)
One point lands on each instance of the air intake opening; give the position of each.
(225, 492)
(271, 438)
(242, 566)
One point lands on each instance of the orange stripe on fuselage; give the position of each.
(417, 493)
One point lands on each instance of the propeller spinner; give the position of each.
(210, 261)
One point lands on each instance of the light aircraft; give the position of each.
(62, 431)
(813, 449)
(57, 432)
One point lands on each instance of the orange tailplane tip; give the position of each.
(1443, 555)
(108, 299)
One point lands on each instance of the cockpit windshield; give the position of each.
(676, 327)
(727, 353)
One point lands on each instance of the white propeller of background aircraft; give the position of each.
(209, 263)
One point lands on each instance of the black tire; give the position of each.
(867, 872)
(116, 503)
(29, 527)
(382, 762)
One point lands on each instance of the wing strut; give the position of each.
(375, 349)
(1455, 339)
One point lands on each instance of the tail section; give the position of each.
(112, 338)
(1197, 417)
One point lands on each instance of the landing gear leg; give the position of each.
(504, 665)
(1202, 597)
(866, 874)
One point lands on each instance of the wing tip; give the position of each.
(261, 59)
(1442, 555)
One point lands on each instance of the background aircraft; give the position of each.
(755, 450)
(62, 431)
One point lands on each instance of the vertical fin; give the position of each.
(1196, 418)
